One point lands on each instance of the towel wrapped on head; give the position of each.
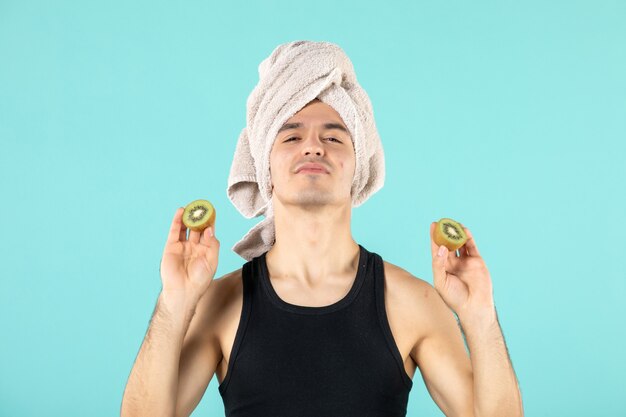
(293, 75)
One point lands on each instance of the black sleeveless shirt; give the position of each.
(337, 360)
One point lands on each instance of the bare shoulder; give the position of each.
(400, 277)
(222, 299)
(416, 301)
(402, 283)
(228, 283)
(410, 296)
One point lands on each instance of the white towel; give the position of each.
(294, 74)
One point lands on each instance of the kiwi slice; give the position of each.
(199, 215)
(450, 234)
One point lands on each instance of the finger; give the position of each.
(175, 227)
(433, 246)
(439, 267)
(470, 245)
(453, 261)
(183, 229)
(208, 236)
(194, 236)
(469, 248)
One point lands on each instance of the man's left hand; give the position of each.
(463, 281)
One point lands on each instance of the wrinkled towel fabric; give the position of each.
(294, 74)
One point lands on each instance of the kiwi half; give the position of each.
(450, 234)
(199, 215)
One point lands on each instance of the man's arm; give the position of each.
(482, 384)
(153, 382)
(463, 282)
(496, 390)
(440, 353)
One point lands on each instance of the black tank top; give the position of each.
(337, 360)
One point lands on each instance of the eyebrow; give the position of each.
(327, 126)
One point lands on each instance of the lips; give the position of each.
(312, 167)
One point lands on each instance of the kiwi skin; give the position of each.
(209, 220)
(442, 238)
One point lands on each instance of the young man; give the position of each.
(318, 325)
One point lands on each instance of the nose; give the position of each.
(313, 145)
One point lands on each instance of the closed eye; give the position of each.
(295, 137)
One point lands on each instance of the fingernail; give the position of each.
(210, 231)
(442, 250)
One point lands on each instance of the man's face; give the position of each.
(312, 141)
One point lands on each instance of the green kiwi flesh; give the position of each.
(199, 215)
(449, 233)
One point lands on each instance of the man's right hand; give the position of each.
(188, 265)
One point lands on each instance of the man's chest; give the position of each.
(399, 317)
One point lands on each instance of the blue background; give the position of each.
(507, 116)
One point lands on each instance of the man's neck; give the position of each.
(313, 246)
